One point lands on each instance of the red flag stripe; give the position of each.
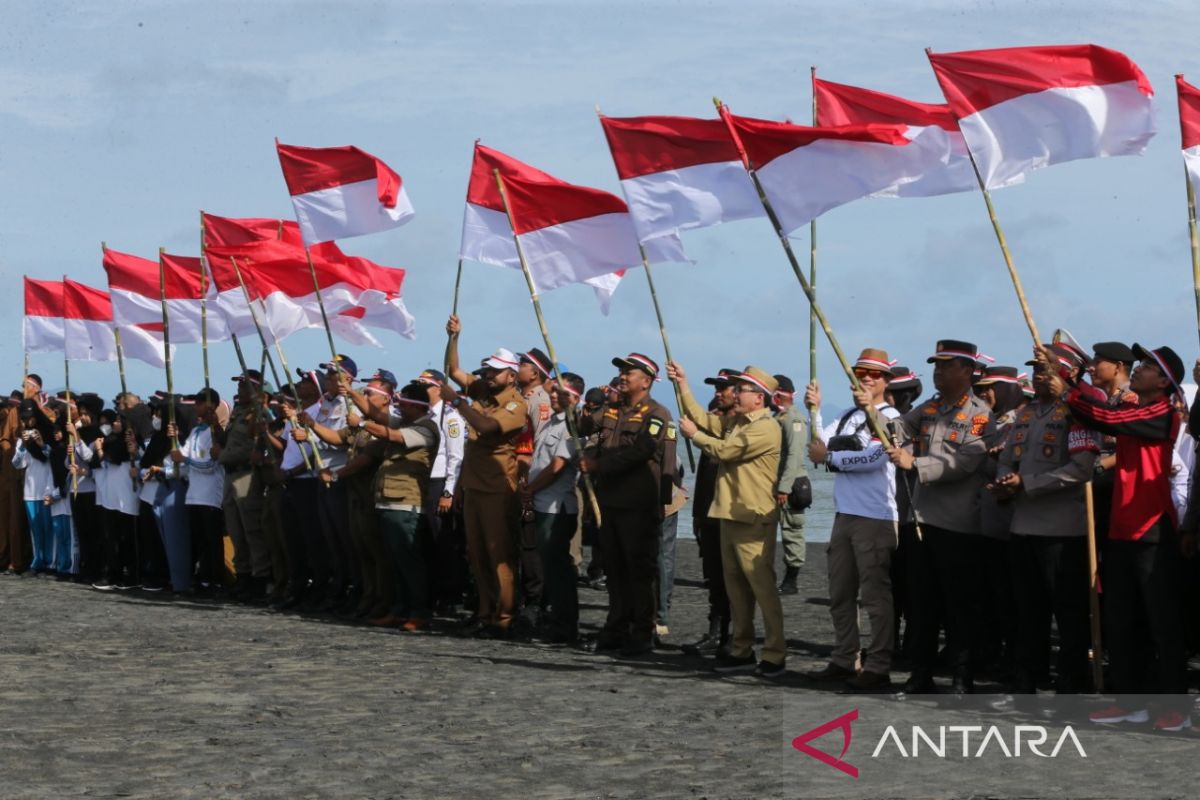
(1189, 112)
(85, 302)
(43, 298)
(310, 169)
(840, 104)
(973, 80)
(765, 140)
(646, 145)
(140, 275)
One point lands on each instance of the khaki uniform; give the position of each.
(632, 475)
(949, 440)
(1055, 458)
(791, 467)
(747, 447)
(243, 499)
(489, 483)
(378, 577)
(14, 537)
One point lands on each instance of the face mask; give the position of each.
(156, 423)
(106, 429)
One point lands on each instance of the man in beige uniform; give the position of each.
(489, 479)
(747, 445)
(944, 443)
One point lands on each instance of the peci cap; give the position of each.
(340, 362)
(502, 359)
(540, 360)
(1114, 351)
(637, 361)
(952, 348)
(724, 377)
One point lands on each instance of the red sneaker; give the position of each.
(1115, 714)
(1172, 721)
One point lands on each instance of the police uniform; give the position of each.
(489, 483)
(628, 474)
(243, 499)
(1054, 457)
(791, 468)
(947, 437)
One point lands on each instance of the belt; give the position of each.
(397, 507)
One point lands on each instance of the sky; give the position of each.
(120, 121)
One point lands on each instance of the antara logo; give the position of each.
(963, 741)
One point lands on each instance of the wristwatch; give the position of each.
(447, 495)
(456, 402)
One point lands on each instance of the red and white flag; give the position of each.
(1023, 108)
(840, 104)
(806, 171)
(90, 333)
(679, 173)
(383, 306)
(231, 231)
(42, 327)
(133, 285)
(569, 234)
(340, 192)
(1189, 128)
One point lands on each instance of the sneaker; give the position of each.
(103, 585)
(661, 630)
(1115, 714)
(1172, 721)
(730, 664)
(766, 669)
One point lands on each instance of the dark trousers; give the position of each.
(335, 524)
(446, 551)
(208, 544)
(120, 547)
(997, 624)
(561, 592)
(152, 556)
(90, 531)
(1142, 594)
(708, 536)
(307, 556)
(14, 525)
(946, 580)
(1051, 580)
(532, 573)
(630, 540)
(902, 585)
(402, 534)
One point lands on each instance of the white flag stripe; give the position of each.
(131, 308)
(352, 209)
(42, 334)
(691, 197)
(1191, 161)
(1057, 125)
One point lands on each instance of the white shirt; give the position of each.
(448, 462)
(865, 482)
(206, 476)
(39, 481)
(331, 414)
(86, 482)
(119, 491)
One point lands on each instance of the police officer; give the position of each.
(791, 468)
(496, 413)
(1046, 460)
(240, 448)
(943, 445)
(628, 467)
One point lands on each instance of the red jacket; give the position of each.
(1145, 441)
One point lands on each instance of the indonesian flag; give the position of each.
(134, 287)
(342, 191)
(806, 171)
(1023, 108)
(231, 231)
(42, 327)
(383, 307)
(569, 234)
(89, 330)
(679, 173)
(1189, 124)
(839, 104)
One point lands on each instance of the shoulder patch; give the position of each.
(511, 407)
(671, 431)
(656, 425)
(452, 429)
(929, 409)
(978, 424)
(1081, 440)
(798, 426)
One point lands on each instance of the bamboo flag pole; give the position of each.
(117, 339)
(282, 362)
(1194, 239)
(70, 427)
(812, 282)
(453, 313)
(203, 304)
(333, 353)
(1008, 260)
(537, 310)
(662, 329)
(1096, 652)
(162, 292)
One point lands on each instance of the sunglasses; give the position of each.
(873, 374)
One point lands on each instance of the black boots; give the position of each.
(711, 642)
(788, 584)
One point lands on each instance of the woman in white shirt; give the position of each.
(32, 454)
(170, 511)
(205, 489)
(85, 514)
(120, 501)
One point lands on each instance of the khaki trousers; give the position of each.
(242, 505)
(860, 561)
(748, 562)
(490, 519)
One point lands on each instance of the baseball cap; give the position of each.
(503, 358)
(637, 361)
(344, 363)
(386, 376)
(431, 377)
(724, 377)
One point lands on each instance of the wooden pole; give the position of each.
(662, 330)
(283, 363)
(162, 292)
(1096, 652)
(203, 303)
(333, 353)
(1008, 260)
(453, 313)
(537, 310)
(812, 282)
(1194, 239)
(117, 339)
(71, 439)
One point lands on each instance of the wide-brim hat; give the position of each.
(760, 379)
(637, 361)
(947, 349)
(872, 358)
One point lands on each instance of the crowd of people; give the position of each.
(396, 502)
